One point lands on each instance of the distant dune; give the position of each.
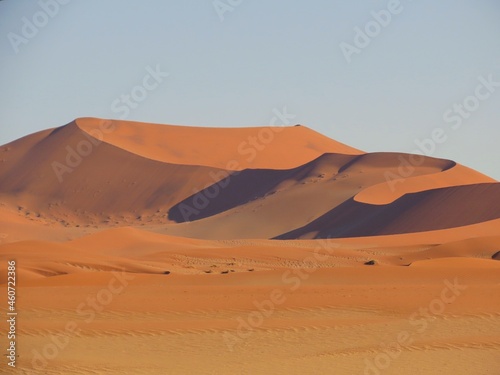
(416, 212)
(96, 173)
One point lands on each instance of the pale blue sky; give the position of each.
(264, 55)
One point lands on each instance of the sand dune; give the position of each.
(108, 185)
(329, 187)
(224, 148)
(385, 193)
(137, 175)
(417, 212)
(153, 249)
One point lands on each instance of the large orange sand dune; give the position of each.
(161, 249)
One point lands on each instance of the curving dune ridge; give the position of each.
(226, 148)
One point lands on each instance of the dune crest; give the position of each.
(277, 147)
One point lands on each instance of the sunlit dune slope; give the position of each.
(278, 147)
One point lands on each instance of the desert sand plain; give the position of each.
(160, 249)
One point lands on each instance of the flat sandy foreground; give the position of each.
(283, 307)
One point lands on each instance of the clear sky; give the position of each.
(377, 75)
